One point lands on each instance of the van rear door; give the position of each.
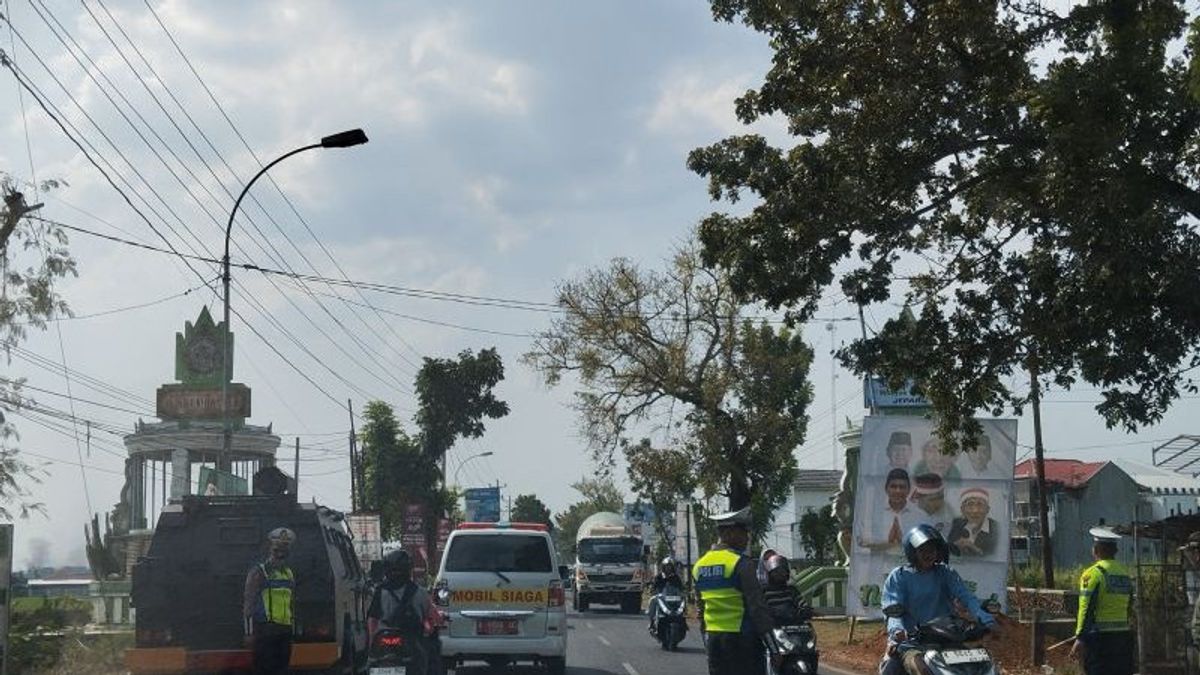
(499, 583)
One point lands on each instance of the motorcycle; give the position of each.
(943, 641)
(797, 650)
(670, 619)
(393, 653)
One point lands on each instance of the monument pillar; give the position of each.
(181, 470)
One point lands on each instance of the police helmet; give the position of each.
(397, 565)
(924, 534)
(281, 536)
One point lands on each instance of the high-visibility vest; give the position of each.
(724, 608)
(1104, 592)
(276, 595)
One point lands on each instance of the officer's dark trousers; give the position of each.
(735, 654)
(1109, 654)
(272, 648)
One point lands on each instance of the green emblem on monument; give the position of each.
(200, 365)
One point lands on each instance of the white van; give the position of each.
(501, 587)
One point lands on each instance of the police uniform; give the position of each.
(268, 606)
(1102, 627)
(735, 617)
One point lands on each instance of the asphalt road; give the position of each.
(605, 642)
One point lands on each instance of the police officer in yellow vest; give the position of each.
(268, 606)
(735, 618)
(1103, 640)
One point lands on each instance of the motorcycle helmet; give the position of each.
(397, 566)
(919, 536)
(668, 566)
(777, 569)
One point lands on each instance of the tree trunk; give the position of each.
(1039, 462)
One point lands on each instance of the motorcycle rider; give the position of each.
(400, 604)
(785, 603)
(668, 575)
(927, 587)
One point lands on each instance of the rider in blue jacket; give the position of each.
(927, 588)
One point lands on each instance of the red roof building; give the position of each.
(1069, 473)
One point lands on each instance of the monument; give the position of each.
(178, 454)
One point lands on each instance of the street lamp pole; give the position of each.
(463, 463)
(344, 139)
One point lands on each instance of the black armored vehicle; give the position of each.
(187, 589)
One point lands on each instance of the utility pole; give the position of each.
(687, 526)
(831, 327)
(296, 469)
(355, 488)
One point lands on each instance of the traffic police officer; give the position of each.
(733, 614)
(268, 606)
(1103, 640)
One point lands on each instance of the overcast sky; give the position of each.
(513, 145)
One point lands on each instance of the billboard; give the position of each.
(368, 539)
(905, 480)
(483, 504)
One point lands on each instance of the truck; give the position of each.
(610, 563)
(187, 589)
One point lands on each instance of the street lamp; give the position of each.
(463, 463)
(344, 139)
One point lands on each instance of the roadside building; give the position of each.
(812, 491)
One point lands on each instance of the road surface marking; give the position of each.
(604, 640)
(629, 669)
(590, 624)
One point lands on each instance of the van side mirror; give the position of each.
(564, 572)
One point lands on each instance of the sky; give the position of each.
(513, 145)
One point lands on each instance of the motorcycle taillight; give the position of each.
(390, 640)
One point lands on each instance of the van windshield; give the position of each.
(610, 550)
(499, 553)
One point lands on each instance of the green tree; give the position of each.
(1025, 178)
(455, 396)
(674, 349)
(395, 471)
(530, 509)
(661, 477)
(34, 258)
(818, 534)
(599, 494)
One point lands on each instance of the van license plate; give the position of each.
(496, 627)
(392, 670)
(965, 656)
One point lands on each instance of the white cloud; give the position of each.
(691, 104)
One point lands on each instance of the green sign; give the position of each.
(213, 482)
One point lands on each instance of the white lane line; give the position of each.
(629, 669)
(590, 624)
(604, 640)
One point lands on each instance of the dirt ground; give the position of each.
(1010, 649)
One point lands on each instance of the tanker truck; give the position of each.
(610, 563)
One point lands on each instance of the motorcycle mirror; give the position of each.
(894, 611)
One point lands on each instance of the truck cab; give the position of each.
(610, 564)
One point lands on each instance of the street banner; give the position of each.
(213, 483)
(412, 538)
(483, 504)
(368, 539)
(905, 480)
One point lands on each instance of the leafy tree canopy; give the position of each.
(455, 396)
(396, 472)
(599, 494)
(818, 534)
(530, 509)
(1036, 168)
(34, 258)
(673, 350)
